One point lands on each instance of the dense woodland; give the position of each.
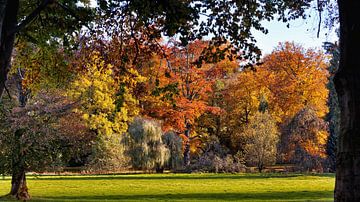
(136, 85)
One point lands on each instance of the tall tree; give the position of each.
(183, 91)
(333, 117)
(37, 18)
(296, 78)
(347, 84)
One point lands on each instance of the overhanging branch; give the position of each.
(30, 17)
(72, 13)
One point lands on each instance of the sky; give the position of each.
(303, 32)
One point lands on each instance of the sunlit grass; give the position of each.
(180, 187)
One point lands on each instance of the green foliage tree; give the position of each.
(333, 117)
(261, 140)
(145, 146)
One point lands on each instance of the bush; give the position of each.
(215, 158)
(145, 147)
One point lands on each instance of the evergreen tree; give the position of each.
(333, 117)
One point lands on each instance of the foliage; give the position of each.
(304, 139)
(216, 158)
(30, 134)
(145, 146)
(224, 21)
(262, 138)
(333, 117)
(43, 66)
(174, 144)
(296, 78)
(95, 90)
(179, 93)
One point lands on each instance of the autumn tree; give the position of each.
(104, 109)
(180, 92)
(31, 139)
(304, 140)
(216, 124)
(37, 71)
(289, 79)
(295, 78)
(261, 140)
(242, 97)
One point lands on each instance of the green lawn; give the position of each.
(180, 187)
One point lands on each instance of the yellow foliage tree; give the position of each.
(107, 106)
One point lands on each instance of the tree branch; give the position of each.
(30, 17)
(72, 13)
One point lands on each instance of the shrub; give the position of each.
(215, 158)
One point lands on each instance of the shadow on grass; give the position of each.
(265, 196)
(176, 176)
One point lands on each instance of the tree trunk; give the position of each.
(18, 189)
(347, 83)
(8, 21)
(187, 146)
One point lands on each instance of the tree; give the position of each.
(303, 140)
(241, 95)
(145, 146)
(296, 78)
(30, 139)
(174, 144)
(261, 137)
(289, 79)
(333, 117)
(347, 87)
(105, 110)
(180, 92)
(34, 68)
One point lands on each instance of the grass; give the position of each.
(180, 187)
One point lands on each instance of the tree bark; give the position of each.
(187, 145)
(347, 83)
(19, 188)
(8, 21)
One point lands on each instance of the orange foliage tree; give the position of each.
(296, 78)
(290, 79)
(179, 90)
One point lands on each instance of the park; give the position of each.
(181, 100)
(180, 187)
